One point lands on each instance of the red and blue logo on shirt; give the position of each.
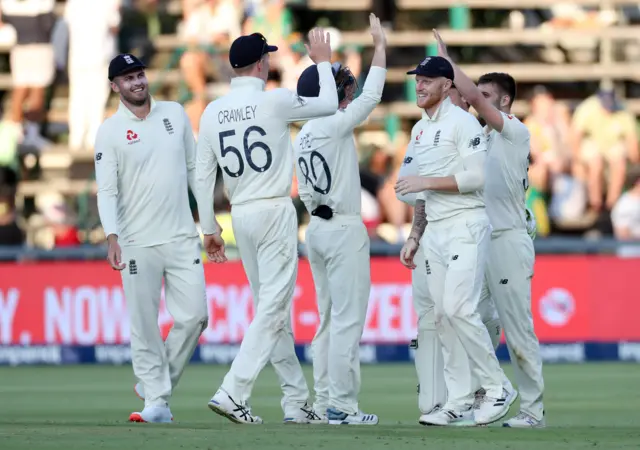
(132, 137)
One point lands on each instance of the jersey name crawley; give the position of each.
(237, 114)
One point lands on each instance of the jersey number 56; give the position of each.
(248, 151)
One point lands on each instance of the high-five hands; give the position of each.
(377, 32)
(442, 47)
(319, 46)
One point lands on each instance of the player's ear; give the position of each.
(504, 101)
(114, 87)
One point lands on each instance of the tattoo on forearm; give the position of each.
(419, 220)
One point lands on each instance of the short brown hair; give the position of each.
(503, 81)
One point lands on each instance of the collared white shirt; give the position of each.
(441, 144)
(246, 132)
(506, 177)
(326, 156)
(143, 170)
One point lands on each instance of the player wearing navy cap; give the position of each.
(246, 132)
(337, 240)
(511, 256)
(451, 150)
(145, 158)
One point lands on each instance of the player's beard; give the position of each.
(138, 98)
(430, 100)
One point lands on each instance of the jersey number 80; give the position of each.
(248, 151)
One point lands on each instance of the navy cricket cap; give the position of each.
(247, 50)
(309, 81)
(434, 67)
(124, 63)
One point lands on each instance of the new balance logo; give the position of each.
(454, 258)
(436, 139)
(133, 267)
(413, 344)
(196, 261)
(504, 281)
(427, 266)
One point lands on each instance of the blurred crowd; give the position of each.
(582, 173)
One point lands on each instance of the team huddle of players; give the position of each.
(472, 265)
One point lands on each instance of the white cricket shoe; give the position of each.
(448, 417)
(222, 403)
(524, 420)
(139, 391)
(152, 414)
(306, 415)
(337, 417)
(493, 409)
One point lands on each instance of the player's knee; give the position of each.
(453, 312)
(427, 321)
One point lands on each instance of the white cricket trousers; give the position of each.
(339, 256)
(159, 365)
(432, 390)
(267, 239)
(457, 250)
(509, 274)
(88, 94)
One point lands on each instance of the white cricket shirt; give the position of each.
(441, 143)
(246, 132)
(326, 156)
(143, 170)
(409, 168)
(506, 177)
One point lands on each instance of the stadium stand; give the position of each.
(572, 52)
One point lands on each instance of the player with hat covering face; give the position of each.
(145, 157)
(246, 132)
(337, 240)
(451, 151)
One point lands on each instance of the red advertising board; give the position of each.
(575, 298)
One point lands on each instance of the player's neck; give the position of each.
(140, 111)
(433, 109)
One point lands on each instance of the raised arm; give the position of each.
(470, 91)
(358, 111)
(298, 108)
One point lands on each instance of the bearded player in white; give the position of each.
(451, 152)
(432, 391)
(511, 256)
(247, 133)
(337, 240)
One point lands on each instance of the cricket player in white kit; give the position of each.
(247, 133)
(145, 158)
(337, 240)
(451, 152)
(511, 255)
(432, 390)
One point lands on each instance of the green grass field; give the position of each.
(86, 407)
